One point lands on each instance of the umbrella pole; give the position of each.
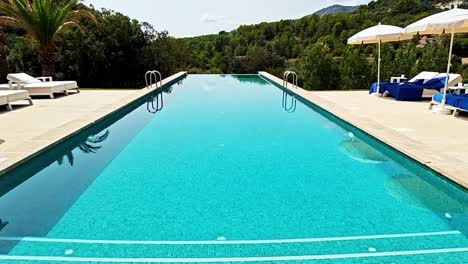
(378, 70)
(442, 109)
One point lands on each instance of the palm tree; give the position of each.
(43, 21)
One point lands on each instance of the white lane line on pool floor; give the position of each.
(236, 259)
(225, 242)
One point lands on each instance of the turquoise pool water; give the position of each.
(228, 169)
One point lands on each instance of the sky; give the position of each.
(186, 18)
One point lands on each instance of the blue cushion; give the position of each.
(455, 100)
(406, 92)
(418, 81)
(436, 83)
(463, 103)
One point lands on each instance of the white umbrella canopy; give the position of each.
(454, 20)
(377, 35)
(448, 22)
(380, 33)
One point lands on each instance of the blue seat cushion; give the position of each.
(455, 100)
(436, 83)
(463, 103)
(406, 92)
(384, 85)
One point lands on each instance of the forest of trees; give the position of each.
(117, 51)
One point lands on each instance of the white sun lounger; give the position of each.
(40, 85)
(454, 79)
(425, 75)
(10, 96)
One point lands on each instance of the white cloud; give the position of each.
(207, 18)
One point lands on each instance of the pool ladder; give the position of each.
(286, 76)
(289, 105)
(151, 77)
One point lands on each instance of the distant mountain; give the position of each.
(335, 9)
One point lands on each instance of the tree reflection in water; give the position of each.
(91, 145)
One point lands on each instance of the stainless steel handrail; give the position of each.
(286, 78)
(151, 77)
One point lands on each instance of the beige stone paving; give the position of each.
(437, 141)
(28, 130)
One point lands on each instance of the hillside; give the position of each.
(336, 9)
(316, 46)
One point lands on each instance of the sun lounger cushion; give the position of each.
(22, 78)
(384, 85)
(4, 86)
(436, 83)
(3, 99)
(14, 95)
(45, 88)
(425, 76)
(56, 86)
(463, 103)
(454, 79)
(421, 78)
(414, 92)
(69, 85)
(454, 100)
(450, 99)
(406, 92)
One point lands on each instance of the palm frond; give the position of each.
(81, 14)
(9, 21)
(43, 20)
(67, 26)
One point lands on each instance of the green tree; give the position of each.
(108, 56)
(319, 70)
(44, 21)
(387, 67)
(21, 55)
(434, 58)
(354, 70)
(258, 58)
(405, 58)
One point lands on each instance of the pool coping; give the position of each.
(447, 166)
(56, 136)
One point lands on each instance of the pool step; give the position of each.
(389, 246)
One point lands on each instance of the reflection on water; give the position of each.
(361, 151)
(155, 103)
(249, 78)
(289, 105)
(91, 145)
(3, 224)
(417, 192)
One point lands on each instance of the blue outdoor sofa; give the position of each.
(415, 88)
(411, 91)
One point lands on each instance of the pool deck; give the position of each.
(436, 141)
(28, 130)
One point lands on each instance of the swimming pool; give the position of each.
(228, 168)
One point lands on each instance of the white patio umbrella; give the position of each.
(447, 22)
(377, 35)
